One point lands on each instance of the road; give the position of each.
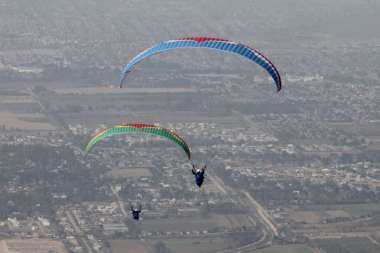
(119, 202)
(259, 212)
(79, 233)
(53, 118)
(217, 182)
(56, 120)
(262, 213)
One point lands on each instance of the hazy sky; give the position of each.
(153, 20)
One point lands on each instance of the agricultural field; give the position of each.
(197, 245)
(24, 121)
(355, 210)
(234, 221)
(287, 249)
(351, 245)
(179, 224)
(189, 224)
(316, 217)
(306, 217)
(31, 245)
(319, 214)
(176, 245)
(130, 246)
(18, 110)
(16, 99)
(117, 90)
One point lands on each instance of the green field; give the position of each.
(286, 249)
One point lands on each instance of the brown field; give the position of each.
(353, 210)
(305, 216)
(176, 245)
(233, 221)
(288, 249)
(337, 214)
(16, 99)
(12, 120)
(31, 245)
(197, 245)
(124, 173)
(179, 224)
(129, 246)
(188, 224)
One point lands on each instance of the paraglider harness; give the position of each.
(199, 174)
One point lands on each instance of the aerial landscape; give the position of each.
(191, 150)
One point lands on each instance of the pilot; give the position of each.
(199, 175)
(136, 212)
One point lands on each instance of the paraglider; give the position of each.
(199, 175)
(220, 44)
(142, 129)
(153, 130)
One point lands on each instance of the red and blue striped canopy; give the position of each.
(212, 43)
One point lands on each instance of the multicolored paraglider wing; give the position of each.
(212, 43)
(140, 128)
